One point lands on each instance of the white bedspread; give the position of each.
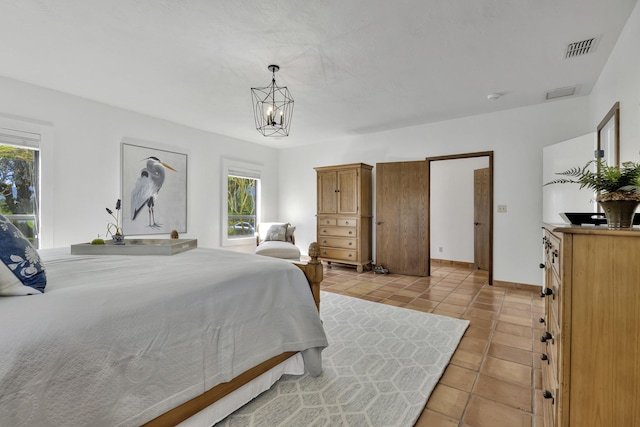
(118, 340)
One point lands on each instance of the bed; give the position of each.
(153, 340)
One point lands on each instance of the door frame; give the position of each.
(488, 154)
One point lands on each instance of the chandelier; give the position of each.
(272, 107)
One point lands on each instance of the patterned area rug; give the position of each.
(381, 365)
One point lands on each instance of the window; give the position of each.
(241, 206)
(240, 212)
(19, 181)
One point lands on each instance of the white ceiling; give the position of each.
(352, 66)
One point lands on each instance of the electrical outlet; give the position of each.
(502, 208)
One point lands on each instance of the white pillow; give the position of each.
(263, 229)
(289, 234)
(276, 232)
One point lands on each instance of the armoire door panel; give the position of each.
(347, 191)
(327, 193)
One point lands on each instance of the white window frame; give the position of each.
(46, 173)
(245, 169)
(40, 136)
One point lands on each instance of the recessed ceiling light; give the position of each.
(493, 96)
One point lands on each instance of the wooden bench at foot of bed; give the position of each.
(313, 271)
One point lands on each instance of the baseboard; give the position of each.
(446, 263)
(519, 286)
(496, 283)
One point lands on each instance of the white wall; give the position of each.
(620, 81)
(81, 176)
(557, 198)
(86, 135)
(452, 208)
(516, 136)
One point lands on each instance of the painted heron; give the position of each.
(145, 191)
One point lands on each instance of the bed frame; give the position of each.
(313, 271)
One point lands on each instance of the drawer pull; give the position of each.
(541, 320)
(346, 222)
(547, 395)
(546, 292)
(350, 243)
(544, 357)
(351, 232)
(324, 241)
(350, 255)
(541, 265)
(546, 337)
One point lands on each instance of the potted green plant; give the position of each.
(617, 188)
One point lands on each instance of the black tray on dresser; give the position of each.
(594, 218)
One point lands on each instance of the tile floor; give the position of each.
(494, 377)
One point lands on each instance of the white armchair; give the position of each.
(276, 239)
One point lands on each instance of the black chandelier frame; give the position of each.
(272, 107)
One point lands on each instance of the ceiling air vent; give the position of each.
(580, 48)
(562, 92)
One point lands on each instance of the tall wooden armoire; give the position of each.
(344, 214)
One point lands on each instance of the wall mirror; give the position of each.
(608, 138)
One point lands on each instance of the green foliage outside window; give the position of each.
(241, 202)
(17, 186)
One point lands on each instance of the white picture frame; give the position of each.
(168, 210)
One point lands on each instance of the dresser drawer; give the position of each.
(339, 242)
(553, 252)
(552, 348)
(550, 402)
(337, 231)
(554, 306)
(326, 220)
(347, 222)
(339, 254)
(553, 300)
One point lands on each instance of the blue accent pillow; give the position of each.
(21, 270)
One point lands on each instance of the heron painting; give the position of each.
(154, 185)
(145, 191)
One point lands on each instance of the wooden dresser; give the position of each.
(591, 358)
(344, 214)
